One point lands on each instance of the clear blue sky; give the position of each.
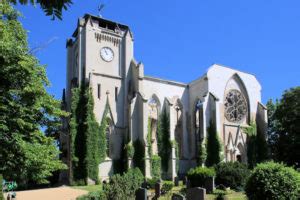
(179, 40)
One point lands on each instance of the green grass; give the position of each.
(89, 188)
(232, 196)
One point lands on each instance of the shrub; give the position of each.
(155, 167)
(213, 146)
(167, 186)
(220, 194)
(272, 181)
(151, 182)
(1, 195)
(198, 175)
(232, 174)
(93, 196)
(124, 187)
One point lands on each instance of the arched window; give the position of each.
(153, 106)
(199, 120)
(108, 133)
(179, 127)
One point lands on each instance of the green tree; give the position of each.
(26, 153)
(213, 146)
(284, 129)
(52, 8)
(88, 138)
(163, 140)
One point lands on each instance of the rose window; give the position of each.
(235, 106)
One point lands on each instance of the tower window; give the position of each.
(116, 93)
(99, 91)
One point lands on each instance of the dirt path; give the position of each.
(59, 193)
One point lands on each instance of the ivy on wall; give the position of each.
(155, 161)
(87, 138)
(213, 146)
(201, 154)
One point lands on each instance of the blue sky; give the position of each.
(179, 40)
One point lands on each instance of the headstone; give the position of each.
(196, 193)
(209, 184)
(157, 189)
(178, 197)
(141, 194)
(176, 181)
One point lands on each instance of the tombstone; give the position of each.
(141, 194)
(209, 184)
(176, 181)
(157, 189)
(196, 193)
(178, 197)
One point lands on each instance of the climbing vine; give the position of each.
(86, 137)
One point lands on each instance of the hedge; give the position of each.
(197, 176)
(273, 181)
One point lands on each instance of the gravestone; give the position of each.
(196, 193)
(157, 189)
(141, 194)
(209, 184)
(178, 197)
(176, 181)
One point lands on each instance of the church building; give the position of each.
(101, 52)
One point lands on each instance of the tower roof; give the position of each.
(104, 23)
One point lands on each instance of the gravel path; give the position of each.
(59, 193)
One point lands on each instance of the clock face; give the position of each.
(107, 54)
(235, 106)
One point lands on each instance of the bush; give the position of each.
(125, 186)
(151, 182)
(232, 174)
(1, 181)
(199, 175)
(93, 196)
(220, 194)
(167, 186)
(273, 181)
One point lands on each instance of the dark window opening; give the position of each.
(99, 91)
(116, 93)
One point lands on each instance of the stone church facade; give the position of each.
(101, 52)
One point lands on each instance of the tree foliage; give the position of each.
(26, 153)
(213, 146)
(139, 155)
(273, 181)
(51, 8)
(284, 127)
(88, 138)
(163, 140)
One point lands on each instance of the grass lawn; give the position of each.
(89, 188)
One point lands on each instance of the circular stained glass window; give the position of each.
(235, 106)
